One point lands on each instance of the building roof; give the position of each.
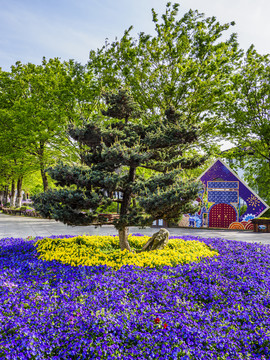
(220, 170)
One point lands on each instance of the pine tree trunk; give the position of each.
(123, 239)
(12, 194)
(19, 192)
(123, 232)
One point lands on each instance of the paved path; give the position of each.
(20, 226)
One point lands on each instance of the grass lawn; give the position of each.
(215, 307)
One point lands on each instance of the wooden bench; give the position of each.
(106, 218)
(21, 212)
(12, 211)
(257, 222)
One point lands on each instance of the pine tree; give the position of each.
(117, 146)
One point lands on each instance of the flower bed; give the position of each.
(218, 308)
(104, 250)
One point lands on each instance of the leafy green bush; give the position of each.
(243, 209)
(112, 208)
(267, 214)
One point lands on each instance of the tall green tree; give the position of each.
(16, 162)
(40, 102)
(246, 120)
(116, 147)
(185, 64)
(5, 180)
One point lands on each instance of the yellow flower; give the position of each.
(104, 250)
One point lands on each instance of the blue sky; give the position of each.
(69, 29)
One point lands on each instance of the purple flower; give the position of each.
(217, 308)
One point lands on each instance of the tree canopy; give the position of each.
(246, 119)
(185, 64)
(37, 104)
(188, 67)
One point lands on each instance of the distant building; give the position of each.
(222, 200)
(226, 201)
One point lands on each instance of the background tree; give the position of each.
(116, 146)
(185, 64)
(16, 162)
(5, 180)
(37, 105)
(246, 120)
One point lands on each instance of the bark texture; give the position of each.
(5, 195)
(19, 192)
(44, 179)
(123, 239)
(12, 194)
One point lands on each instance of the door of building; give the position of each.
(221, 216)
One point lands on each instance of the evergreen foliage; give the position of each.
(115, 147)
